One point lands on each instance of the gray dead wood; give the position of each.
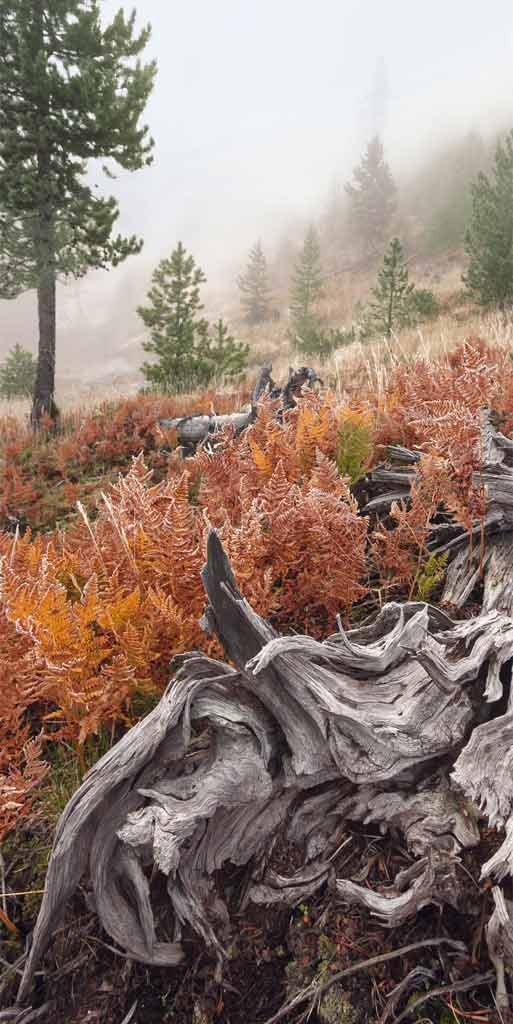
(488, 553)
(192, 430)
(499, 936)
(485, 553)
(395, 723)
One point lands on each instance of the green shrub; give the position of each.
(313, 339)
(425, 305)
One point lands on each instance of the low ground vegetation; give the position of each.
(104, 532)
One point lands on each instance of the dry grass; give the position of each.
(68, 398)
(368, 365)
(344, 295)
(348, 368)
(371, 363)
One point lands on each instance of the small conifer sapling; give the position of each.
(188, 353)
(255, 288)
(392, 307)
(18, 374)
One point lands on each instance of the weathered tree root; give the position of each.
(394, 723)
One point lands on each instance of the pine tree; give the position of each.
(393, 296)
(307, 285)
(72, 90)
(439, 195)
(18, 374)
(372, 196)
(489, 238)
(334, 218)
(188, 353)
(224, 358)
(254, 287)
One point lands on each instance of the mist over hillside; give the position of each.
(259, 115)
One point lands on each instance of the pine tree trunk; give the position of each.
(44, 403)
(45, 378)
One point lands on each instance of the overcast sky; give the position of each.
(259, 104)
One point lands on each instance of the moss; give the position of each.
(28, 852)
(326, 947)
(336, 1008)
(430, 576)
(68, 767)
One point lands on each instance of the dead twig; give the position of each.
(464, 985)
(10, 969)
(130, 1013)
(418, 973)
(2, 884)
(27, 1016)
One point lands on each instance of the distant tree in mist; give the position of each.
(306, 287)
(255, 288)
(18, 374)
(438, 198)
(393, 304)
(372, 195)
(73, 89)
(334, 218)
(489, 238)
(188, 352)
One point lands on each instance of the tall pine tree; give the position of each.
(72, 90)
(372, 195)
(393, 305)
(254, 287)
(187, 352)
(489, 238)
(307, 279)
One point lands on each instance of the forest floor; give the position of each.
(275, 954)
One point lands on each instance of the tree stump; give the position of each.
(400, 722)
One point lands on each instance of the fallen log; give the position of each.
(192, 430)
(399, 722)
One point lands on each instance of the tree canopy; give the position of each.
(392, 305)
(17, 373)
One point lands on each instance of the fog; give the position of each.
(259, 107)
